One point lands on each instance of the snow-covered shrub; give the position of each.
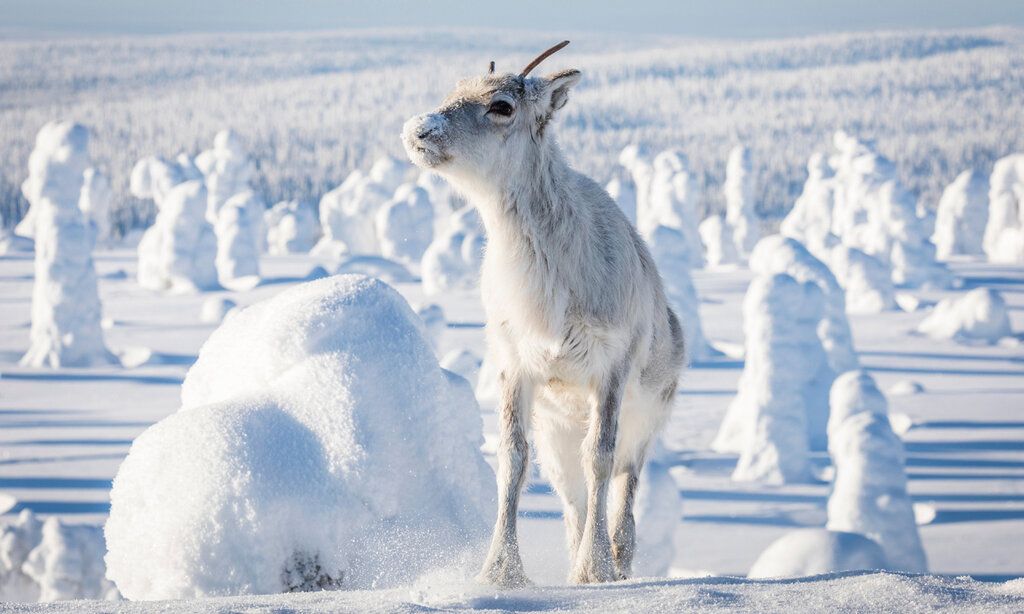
(453, 259)
(778, 254)
(657, 511)
(672, 202)
(811, 552)
(869, 493)
(1004, 233)
(66, 313)
(873, 212)
(719, 247)
(178, 251)
(228, 170)
(94, 201)
(767, 420)
(463, 362)
(962, 216)
(238, 228)
(740, 208)
(348, 217)
(673, 257)
(51, 561)
(865, 279)
(979, 315)
(291, 227)
(622, 189)
(405, 225)
(810, 219)
(319, 445)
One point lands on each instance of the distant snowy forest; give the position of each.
(315, 106)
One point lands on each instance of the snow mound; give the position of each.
(66, 311)
(810, 552)
(906, 387)
(292, 227)
(767, 420)
(215, 308)
(1004, 233)
(869, 494)
(979, 315)
(51, 561)
(464, 363)
(962, 216)
(319, 445)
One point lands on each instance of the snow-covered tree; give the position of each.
(178, 251)
(238, 241)
(719, 246)
(622, 189)
(657, 511)
(865, 279)
(453, 259)
(66, 312)
(810, 219)
(978, 316)
(740, 208)
(672, 202)
(1004, 233)
(292, 227)
(673, 257)
(767, 420)
(962, 216)
(390, 172)
(636, 160)
(405, 224)
(869, 493)
(778, 254)
(228, 170)
(94, 201)
(348, 217)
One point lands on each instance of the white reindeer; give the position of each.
(577, 321)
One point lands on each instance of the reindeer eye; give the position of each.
(500, 107)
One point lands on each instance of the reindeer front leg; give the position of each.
(503, 566)
(593, 559)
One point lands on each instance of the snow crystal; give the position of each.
(962, 216)
(740, 208)
(292, 227)
(405, 225)
(979, 315)
(1004, 234)
(66, 312)
(767, 420)
(810, 552)
(319, 444)
(869, 494)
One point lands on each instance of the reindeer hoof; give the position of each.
(593, 571)
(505, 570)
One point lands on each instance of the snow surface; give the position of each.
(811, 552)
(319, 445)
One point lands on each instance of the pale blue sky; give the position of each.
(719, 18)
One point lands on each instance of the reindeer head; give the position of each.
(490, 124)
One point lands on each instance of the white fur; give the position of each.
(587, 348)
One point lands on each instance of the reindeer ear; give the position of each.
(557, 87)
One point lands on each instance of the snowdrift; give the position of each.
(980, 316)
(319, 445)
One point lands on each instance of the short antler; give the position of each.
(540, 58)
(490, 70)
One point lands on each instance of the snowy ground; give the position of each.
(63, 434)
